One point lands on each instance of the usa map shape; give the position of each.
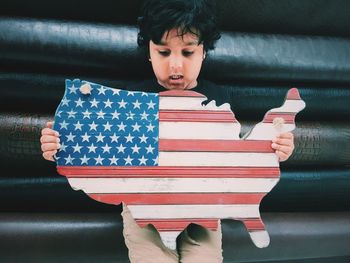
(170, 159)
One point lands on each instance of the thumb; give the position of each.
(49, 124)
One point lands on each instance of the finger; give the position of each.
(282, 156)
(286, 135)
(288, 149)
(49, 124)
(49, 139)
(50, 147)
(48, 131)
(49, 155)
(287, 142)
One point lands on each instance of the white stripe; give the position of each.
(169, 238)
(193, 211)
(189, 103)
(290, 106)
(267, 131)
(199, 130)
(173, 185)
(260, 238)
(246, 159)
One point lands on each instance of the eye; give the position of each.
(164, 53)
(187, 53)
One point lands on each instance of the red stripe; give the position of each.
(253, 224)
(180, 224)
(168, 171)
(197, 116)
(175, 199)
(180, 93)
(288, 117)
(293, 94)
(177, 145)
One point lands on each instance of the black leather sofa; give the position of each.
(267, 46)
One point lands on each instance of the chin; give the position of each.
(175, 87)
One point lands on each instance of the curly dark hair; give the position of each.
(188, 16)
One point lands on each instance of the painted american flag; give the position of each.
(172, 160)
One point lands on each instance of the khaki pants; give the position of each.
(195, 244)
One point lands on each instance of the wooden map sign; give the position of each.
(172, 160)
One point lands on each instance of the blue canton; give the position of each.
(107, 127)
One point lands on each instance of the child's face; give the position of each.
(177, 60)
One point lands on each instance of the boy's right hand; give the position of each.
(50, 142)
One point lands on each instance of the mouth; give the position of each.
(176, 79)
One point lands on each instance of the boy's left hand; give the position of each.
(284, 145)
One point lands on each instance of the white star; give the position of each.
(121, 148)
(86, 114)
(136, 127)
(128, 160)
(79, 103)
(102, 90)
(137, 104)
(98, 160)
(107, 126)
(143, 138)
(131, 93)
(100, 114)
(150, 149)
(142, 160)
(151, 105)
(106, 148)
(135, 149)
(71, 114)
(70, 137)
(94, 103)
(63, 125)
(121, 126)
(144, 94)
(150, 127)
(65, 101)
(144, 116)
(113, 160)
(108, 103)
(122, 104)
(156, 116)
(69, 160)
(129, 138)
(84, 160)
(78, 126)
(92, 148)
(115, 115)
(99, 137)
(63, 147)
(85, 137)
(93, 126)
(155, 160)
(115, 91)
(130, 115)
(155, 139)
(114, 138)
(72, 90)
(77, 148)
(59, 113)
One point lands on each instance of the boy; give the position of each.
(177, 34)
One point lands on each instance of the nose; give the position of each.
(175, 62)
